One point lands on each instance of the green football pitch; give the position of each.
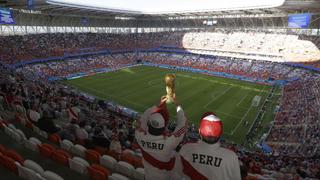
(141, 87)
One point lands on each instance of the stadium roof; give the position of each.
(167, 6)
(164, 8)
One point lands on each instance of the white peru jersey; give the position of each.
(203, 161)
(159, 151)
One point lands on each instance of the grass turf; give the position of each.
(141, 87)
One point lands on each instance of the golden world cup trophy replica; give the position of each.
(170, 86)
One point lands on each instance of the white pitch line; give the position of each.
(221, 112)
(215, 98)
(242, 99)
(243, 117)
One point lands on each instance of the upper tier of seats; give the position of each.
(271, 46)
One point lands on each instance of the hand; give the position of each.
(163, 99)
(175, 101)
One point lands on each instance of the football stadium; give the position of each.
(167, 89)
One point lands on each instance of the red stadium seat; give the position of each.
(55, 138)
(133, 160)
(61, 157)
(29, 124)
(14, 155)
(2, 149)
(92, 156)
(2, 159)
(46, 150)
(97, 172)
(100, 150)
(10, 164)
(113, 154)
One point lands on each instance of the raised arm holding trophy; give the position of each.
(170, 87)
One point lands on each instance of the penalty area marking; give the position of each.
(243, 117)
(215, 98)
(242, 99)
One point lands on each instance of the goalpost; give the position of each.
(256, 101)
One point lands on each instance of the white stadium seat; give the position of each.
(35, 140)
(124, 168)
(28, 174)
(78, 150)
(36, 130)
(11, 126)
(43, 134)
(22, 135)
(128, 151)
(138, 174)
(116, 176)
(108, 162)
(78, 164)
(33, 166)
(66, 145)
(51, 176)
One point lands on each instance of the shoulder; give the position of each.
(185, 147)
(228, 153)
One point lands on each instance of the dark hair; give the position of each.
(155, 131)
(82, 124)
(97, 130)
(210, 139)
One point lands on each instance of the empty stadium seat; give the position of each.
(55, 138)
(2, 149)
(92, 155)
(33, 166)
(100, 150)
(46, 150)
(28, 174)
(138, 174)
(98, 172)
(44, 134)
(48, 175)
(22, 135)
(108, 162)
(61, 157)
(78, 164)
(124, 168)
(14, 155)
(10, 164)
(11, 126)
(29, 124)
(78, 150)
(66, 145)
(16, 136)
(114, 154)
(32, 144)
(132, 159)
(116, 176)
(128, 151)
(36, 130)
(37, 141)
(8, 131)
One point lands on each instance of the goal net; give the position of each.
(256, 101)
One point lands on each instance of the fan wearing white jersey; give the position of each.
(156, 143)
(205, 159)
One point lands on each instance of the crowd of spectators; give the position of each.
(97, 126)
(276, 47)
(297, 122)
(73, 66)
(294, 136)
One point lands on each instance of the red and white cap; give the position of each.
(159, 117)
(210, 125)
(156, 120)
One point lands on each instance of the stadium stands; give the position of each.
(294, 134)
